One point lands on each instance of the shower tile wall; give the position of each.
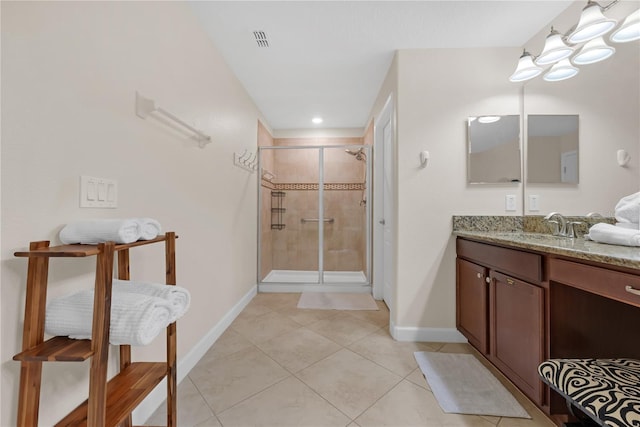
(296, 246)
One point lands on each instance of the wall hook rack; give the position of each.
(247, 160)
(145, 107)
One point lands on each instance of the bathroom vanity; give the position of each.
(522, 298)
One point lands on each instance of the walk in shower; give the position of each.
(314, 227)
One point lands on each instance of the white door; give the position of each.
(569, 167)
(383, 186)
(387, 199)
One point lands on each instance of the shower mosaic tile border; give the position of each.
(268, 184)
(313, 186)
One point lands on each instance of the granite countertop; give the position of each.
(578, 247)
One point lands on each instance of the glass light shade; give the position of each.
(526, 69)
(595, 50)
(488, 119)
(629, 30)
(563, 70)
(554, 49)
(592, 24)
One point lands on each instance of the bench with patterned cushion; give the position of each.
(607, 390)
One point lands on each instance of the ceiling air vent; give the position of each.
(261, 38)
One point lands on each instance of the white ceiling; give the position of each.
(329, 58)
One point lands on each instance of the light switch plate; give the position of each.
(510, 202)
(98, 192)
(534, 203)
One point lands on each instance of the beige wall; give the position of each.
(69, 74)
(436, 92)
(606, 96)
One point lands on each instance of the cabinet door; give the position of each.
(472, 294)
(517, 331)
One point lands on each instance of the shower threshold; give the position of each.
(300, 280)
(302, 276)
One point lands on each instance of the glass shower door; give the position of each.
(344, 200)
(289, 222)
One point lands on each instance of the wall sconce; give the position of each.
(592, 25)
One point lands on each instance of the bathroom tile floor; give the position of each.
(277, 365)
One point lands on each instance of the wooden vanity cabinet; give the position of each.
(517, 331)
(472, 303)
(501, 309)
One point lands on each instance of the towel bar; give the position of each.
(329, 220)
(146, 106)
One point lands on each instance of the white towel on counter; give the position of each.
(628, 209)
(136, 319)
(149, 228)
(608, 233)
(631, 225)
(177, 296)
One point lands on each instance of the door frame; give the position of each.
(387, 114)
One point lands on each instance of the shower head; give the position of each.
(359, 154)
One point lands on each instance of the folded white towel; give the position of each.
(101, 230)
(178, 297)
(608, 233)
(631, 225)
(628, 209)
(149, 228)
(136, 319)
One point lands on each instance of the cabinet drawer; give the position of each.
(516, 263)
(612, 284)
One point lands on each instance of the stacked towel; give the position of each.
(627, 211)
(177, 296)
(611, 234)
(136, 319)
(149, 228)
(96, 231)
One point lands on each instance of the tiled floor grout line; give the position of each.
(206, 402)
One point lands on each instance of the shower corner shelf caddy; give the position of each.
(277, 211)
(109, 403)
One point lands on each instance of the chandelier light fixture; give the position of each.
(585, 39)
(561, 70)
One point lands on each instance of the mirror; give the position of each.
(494, 149)
(552, 149)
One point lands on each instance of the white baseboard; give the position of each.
(414, 334)
(186, 363)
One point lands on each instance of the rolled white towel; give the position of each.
(177, 296)
(95, 231)
(609, 233)
(628, 209)
(136, 319)
(149, 228)
(631, 225)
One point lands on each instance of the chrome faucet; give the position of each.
(560, 223)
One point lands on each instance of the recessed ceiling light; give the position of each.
(317, 120)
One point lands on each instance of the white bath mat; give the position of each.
(336, 301)
(462, 385)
